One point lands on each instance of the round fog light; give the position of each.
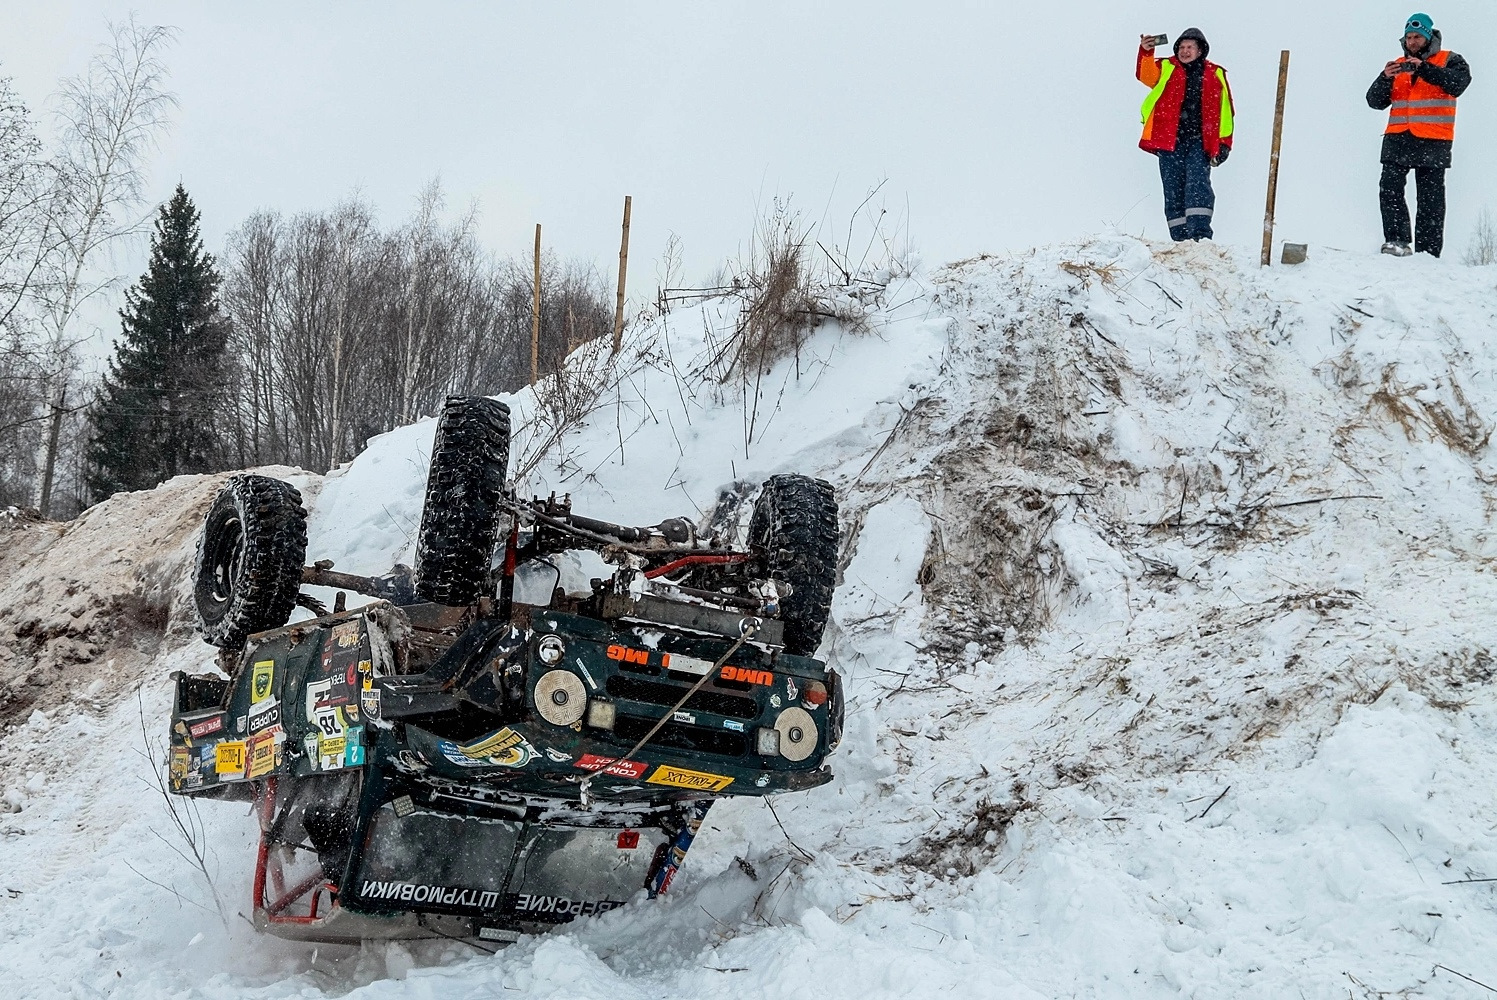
(560, 698)
(550, 650)
(798, 733)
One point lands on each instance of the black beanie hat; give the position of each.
(1194, 35)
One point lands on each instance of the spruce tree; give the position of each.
(158, 410)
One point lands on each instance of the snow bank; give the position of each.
(1165, 618)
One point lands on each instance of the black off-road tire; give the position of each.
(460, 521)
(249, 560)
(794, 533)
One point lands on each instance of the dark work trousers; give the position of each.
(1429, 226)
(1188, 198)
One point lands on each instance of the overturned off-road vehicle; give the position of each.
(450, 760)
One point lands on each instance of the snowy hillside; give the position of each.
(1164, 615)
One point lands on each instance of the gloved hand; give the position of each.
(1221, 155)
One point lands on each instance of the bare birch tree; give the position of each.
(109, 118)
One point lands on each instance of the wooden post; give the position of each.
(535, 313)
(1273, 159)
(618, 315)
(44, 504)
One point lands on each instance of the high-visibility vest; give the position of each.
(1161, 109)
(1421, 107)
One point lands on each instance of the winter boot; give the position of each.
(1398, 249)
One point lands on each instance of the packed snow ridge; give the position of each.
(1164, 615)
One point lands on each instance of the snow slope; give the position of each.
(1163, 616)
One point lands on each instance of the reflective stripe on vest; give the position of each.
(1166, 70)
(1420, 107)
(1226, 129)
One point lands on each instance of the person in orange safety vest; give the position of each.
(1188, 125)
(1418, 91)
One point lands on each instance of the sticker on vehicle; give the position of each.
(680, 777)
(506, 748)
(634, 769)
(262, 755)
(206, 727)
(744, 675)
(353, 749)
(228, 758)
(330, 753)
(346, 634)
(179, 765)
(261, 680)
(264, 715)
(369, 702)
(318, 693)
(309, 744)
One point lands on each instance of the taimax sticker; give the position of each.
(409, 892)
(680, 777)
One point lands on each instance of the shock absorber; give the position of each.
(664, 870)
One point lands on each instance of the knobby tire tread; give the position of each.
(794, 529)
(460, 518)
(274, 525)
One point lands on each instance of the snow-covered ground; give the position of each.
(1164, 615)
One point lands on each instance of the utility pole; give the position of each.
(618, 315)
(535, 313)
(1273, 159)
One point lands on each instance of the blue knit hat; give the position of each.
(1422, 23)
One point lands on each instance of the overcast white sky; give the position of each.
(997, 125)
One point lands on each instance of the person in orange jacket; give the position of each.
(1419, 92)
(1187, 124)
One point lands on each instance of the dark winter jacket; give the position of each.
(1189, 130)
(1403, 148)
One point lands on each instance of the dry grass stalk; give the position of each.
(1464, 432)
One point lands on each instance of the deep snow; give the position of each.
(1163, 614)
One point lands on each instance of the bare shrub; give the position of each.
(567, 397)
(1482, 249)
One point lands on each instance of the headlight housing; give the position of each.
(601, 714)
(767, 742)
(551, 649)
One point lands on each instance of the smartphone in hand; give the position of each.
(1154, 41)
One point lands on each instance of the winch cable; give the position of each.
(750, 628)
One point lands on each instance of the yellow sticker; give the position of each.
(680, 777)
(260, 680)
(506, 748)
(179, 765)
(228, 757)
(261, 756)
(331, 747)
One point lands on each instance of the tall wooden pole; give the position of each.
(44, 504)
(618, 315)
(535, 313)
(1273, 159)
